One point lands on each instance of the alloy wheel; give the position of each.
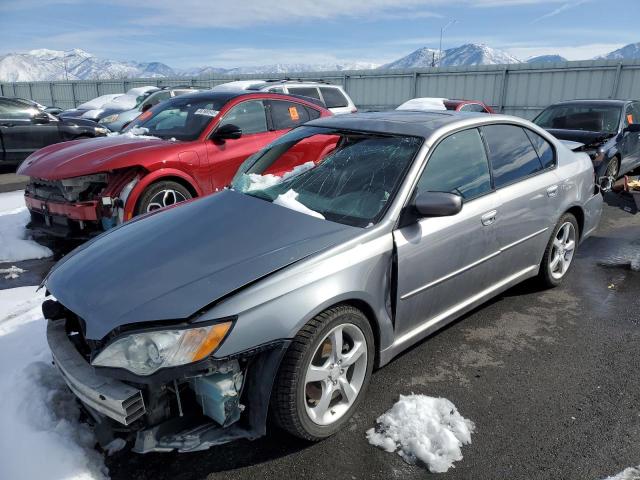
(564, 246)
(335, 374)
(612, 169)
(165, 198)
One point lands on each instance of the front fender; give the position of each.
(152, 177)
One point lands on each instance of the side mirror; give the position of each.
(146, 107)
(437, 204)
(40, 118)
(228, 131)
(633, 127)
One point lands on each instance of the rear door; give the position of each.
(444, 261)
(524, 173)
(224, 158)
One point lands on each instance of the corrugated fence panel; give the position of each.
(519, 89)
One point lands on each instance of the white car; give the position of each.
(333, 96)
(121, 103)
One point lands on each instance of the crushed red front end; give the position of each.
(81, 207)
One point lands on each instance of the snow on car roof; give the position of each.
(424, 103)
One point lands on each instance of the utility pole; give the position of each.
(442, 29)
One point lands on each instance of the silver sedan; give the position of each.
(335, 248)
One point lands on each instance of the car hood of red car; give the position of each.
(88, 156)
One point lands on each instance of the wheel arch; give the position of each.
(577, 212)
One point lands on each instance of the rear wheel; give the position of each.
(161, 194)
(558, 256)
(324, 374)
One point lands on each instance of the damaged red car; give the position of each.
(183, 148)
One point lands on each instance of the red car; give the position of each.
(186, 147)
(432, 103)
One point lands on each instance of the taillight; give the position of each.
(354, 110)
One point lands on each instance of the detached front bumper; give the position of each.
(70, 220)
(185, 414)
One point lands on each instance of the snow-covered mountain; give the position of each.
(547, 59)
(469, 54)
(628, 52)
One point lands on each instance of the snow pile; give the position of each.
(289, 199)
(631, 473)
(14, 242)
(40, 435)
(255, 181)
(135, 132)
(11, 273)
(423, 103)
(423, 428)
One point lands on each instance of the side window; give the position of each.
(285, 115)
(473, 107)
(543, 148)
(313, 113)
(511, 154)
(15, 111)
(249, 116)
(632, 114)
(156, 99)
(333, 97)
(305, 91)
(458, 165)
(276, 90)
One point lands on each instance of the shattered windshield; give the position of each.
(591, 118)
(182, 118)
(345, 177)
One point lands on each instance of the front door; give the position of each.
(444, 262)
(630, 140)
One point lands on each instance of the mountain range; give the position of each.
(77, 64)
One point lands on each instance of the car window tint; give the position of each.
(473, 107)
(156, 99)
(249, 116)
(511, 154)
(313, 113)
(285, 115)
(305, 91)
(458, 165)
(632, 114)
(543, 148)
(333, 97)
(16, 111)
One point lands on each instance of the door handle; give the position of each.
(489, 217)
(552, 191)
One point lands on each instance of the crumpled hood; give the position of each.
(580, 136)
(172, 264)
(87, 156)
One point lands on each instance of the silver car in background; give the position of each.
(336, 248)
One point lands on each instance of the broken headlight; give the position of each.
(146, 353)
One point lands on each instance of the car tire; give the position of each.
(297, 404)
(613, 168)
(161, 194)
(560, 252)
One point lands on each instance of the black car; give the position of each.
(607, 130)
(25, 128)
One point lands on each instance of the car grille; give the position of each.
(46, 189)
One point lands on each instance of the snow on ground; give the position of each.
(422, 428)
(14, 242)
(631, 473)
(289, 199)
(40, 437)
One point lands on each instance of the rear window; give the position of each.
(544, 149)
(285, 115)
(305, 91)
(333, 97)
(511, 154)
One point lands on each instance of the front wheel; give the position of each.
(324, 374)
(558, 256)
(613, 168)
(160, 195)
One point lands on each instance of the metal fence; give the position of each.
(518, 89)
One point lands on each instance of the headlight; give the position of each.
(146, 353)
(109, 118)
(102, 130)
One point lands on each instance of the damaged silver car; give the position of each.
(335, 248)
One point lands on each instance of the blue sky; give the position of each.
(185, 33)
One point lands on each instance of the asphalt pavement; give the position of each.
(550, 377)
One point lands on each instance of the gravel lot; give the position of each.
(549, 377)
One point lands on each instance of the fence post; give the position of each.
(73, 94)
(503, 93)
(414, 85)
(616, 81)
(53, 100)
(1, 90)
(30, 91)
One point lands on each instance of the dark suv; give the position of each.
(607, 130)
(25, 128)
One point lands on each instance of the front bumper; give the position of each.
(109, 397)
(80, 220)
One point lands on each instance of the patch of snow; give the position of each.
(98, 102)
(135, 132)
(631, 473)
(289, 199)
(422, 428)
(38, 413)
(255, 181)
(424, 103)
(14, 242)
(11, 272)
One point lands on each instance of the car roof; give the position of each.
(226, 95)
(396, 122)
(612, 102)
